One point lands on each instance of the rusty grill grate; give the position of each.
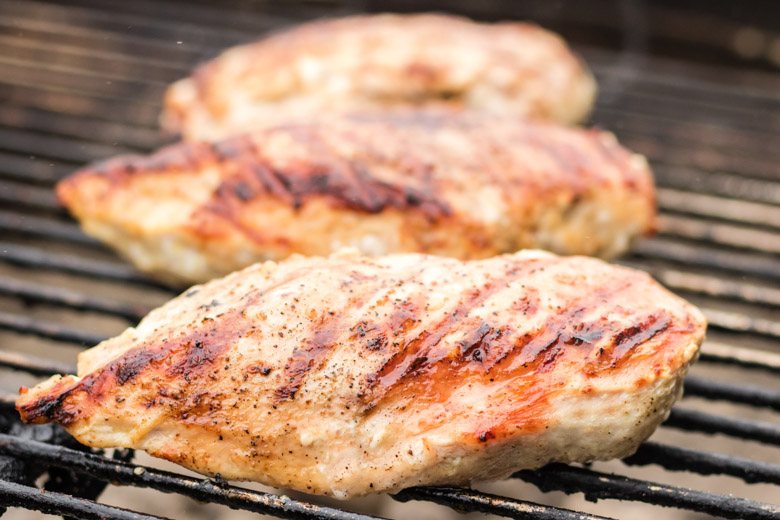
(84, 81)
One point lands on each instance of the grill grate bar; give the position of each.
(716, 287)
(79, 44)
(634, 106)
(695, 420)
(47, 329)
(749, 264)
(661, 128)
(723, 234)
(704, 463)
(720, 391)
(33, 196)
(596, 485)
(199, 489)
(466, 500)
(68, 101)
(616, 486)
(31, 257)
(756, 213)
(89, 81)
(678, 159)
(38, 293)
(34, 365)
(53, 503)
(21, 169)
(643, 97)
(87, 129)
(86, 59)
(37, 227)
(151, 27)
(715, 82)
(56, 147)
(738, 322)
(57, 32)
(745, 358)
(200, 13)
(734, 187)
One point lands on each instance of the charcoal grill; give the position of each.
(83, 80)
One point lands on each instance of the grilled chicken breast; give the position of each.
(351, 375)
(461, 184)
(368, 62)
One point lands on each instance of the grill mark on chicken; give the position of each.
(348, 183)
(325, 330)
(623, 343)
(188, 356)
(418, 354)
(49, 407)
(377, 337)
(431, 373)
(308, 358)
(478, 344)
(537, 355)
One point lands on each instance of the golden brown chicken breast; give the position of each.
(346, 375)
(369, 62)
(457, 184)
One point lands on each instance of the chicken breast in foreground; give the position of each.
(346, 376)
(378, 61)
(465, 185)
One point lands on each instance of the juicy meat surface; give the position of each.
(466, 185)
(369, 62)
(351, 375)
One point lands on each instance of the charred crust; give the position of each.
(186, 358)
(248, 175)
(259, 368)
(485, 436)
(46, 409)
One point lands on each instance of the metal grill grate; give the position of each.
(84, 81)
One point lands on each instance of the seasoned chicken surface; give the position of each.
(373, 62)
(460, 184)
(352, 375)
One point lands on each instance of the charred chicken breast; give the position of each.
(461, 184)
(351, 375)
(374, 62)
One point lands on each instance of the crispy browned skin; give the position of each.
(349, 375)
(379, 61)
(460, 184)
